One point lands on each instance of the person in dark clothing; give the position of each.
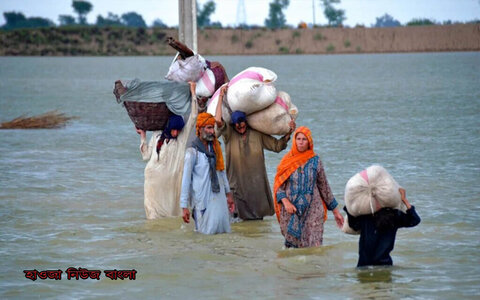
(378, 231)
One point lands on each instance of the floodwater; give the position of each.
(73, 197)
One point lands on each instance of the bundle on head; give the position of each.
(372, 189)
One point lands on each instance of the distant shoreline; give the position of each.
(95, 41)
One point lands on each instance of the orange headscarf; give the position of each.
(204, 119)
(291, 162)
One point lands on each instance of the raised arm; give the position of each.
(411, 218)
(218, 110)
(145, 149)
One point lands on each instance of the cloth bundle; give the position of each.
(249, 91)
(275, 119)
(372, 185)
(253, 92)
(368, 191)
(176, 95)
(189, 69)
(206, 84)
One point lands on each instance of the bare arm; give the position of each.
(218, 111)
(403, 194)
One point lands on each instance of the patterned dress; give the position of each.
(308, 190)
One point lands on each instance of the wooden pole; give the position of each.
(187, 23)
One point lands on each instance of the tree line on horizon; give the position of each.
(275, 20)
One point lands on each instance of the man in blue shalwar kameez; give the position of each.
(205, 187)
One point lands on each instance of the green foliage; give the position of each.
(18, 20)
(347, 43)
(234, 39)
(132, 19)
(296, 34)
(278, 41)
(283, 50)
(82, 8)
(420, 22)
(249, 44)
(387, 21)
(358, 49)
(330, 48)
(110, 20)
(334, 16)
(276, 18)
(298, 51)
(204, 13)
(66, 20)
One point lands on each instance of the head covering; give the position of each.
(174, 122)
(204, 119)
(291, 162)
(238, 117)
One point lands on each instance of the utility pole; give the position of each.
(187, 23)
(313, 9)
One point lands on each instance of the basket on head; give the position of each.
(150, 116)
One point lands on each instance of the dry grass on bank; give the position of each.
(48, 120)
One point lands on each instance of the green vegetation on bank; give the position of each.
(78, 40)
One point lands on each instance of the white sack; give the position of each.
(370, 184)
(275, 119)
(212, 105)
(206, 84)
(249, 91)
(189, 69)
(250, 95)
(259, 73)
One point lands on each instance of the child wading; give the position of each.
(377, 232)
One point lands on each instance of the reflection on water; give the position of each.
(74, 196)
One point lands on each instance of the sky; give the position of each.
(357, 12)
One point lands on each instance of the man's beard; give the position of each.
(208, 137)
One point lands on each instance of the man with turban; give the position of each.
(165, 153)
(205, 187)
(246, 163)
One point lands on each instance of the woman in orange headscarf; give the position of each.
(302, 194)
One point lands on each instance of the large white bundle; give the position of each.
(189, 69)
(205, 86)
(275, 119)
(369, 186)
(249, 91)
(213, 102)
(252, 90)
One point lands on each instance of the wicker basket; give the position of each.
(150, 116)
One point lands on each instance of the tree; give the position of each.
(18, 20)
(110, 20)
(132, 19)
(334, 16)
(13, 19)
(276, 18)
(203, 14)
(82, 8)
(387, 21)
(66, 20)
